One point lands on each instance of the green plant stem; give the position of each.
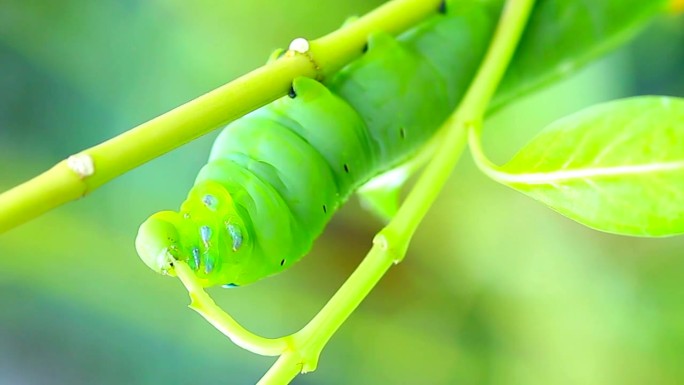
(149, 140)
(202, 303)
(287, 367)
(311, 339)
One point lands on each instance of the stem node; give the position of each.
(393, 243)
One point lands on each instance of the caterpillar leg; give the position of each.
(382, 194)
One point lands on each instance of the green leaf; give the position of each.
(616, 167)
(563, 35)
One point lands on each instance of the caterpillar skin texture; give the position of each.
(276, 176)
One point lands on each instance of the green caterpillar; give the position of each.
(276, 176)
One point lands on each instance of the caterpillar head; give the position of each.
(208, 234)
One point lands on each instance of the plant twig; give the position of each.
(64, 183)
(202, 303)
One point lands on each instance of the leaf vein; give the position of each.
(592, 173)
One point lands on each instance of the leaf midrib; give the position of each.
(588, 173)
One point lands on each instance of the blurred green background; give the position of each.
(496, 288)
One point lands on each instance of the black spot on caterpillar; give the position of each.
(442, 7)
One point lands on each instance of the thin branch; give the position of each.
(285, 369)
(202, 303)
